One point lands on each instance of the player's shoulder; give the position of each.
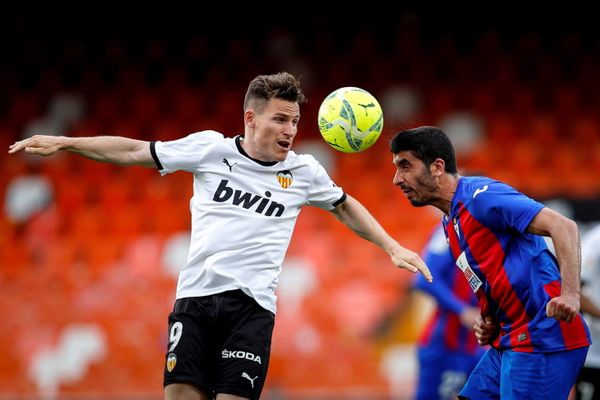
(193, 143)
(294, 159)
(476, 186)
(305, 158)
(207, 135)
(470, 182)
(212, 141)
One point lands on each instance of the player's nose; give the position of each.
(398, 179)
(289, 130)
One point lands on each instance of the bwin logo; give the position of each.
(248, 200)
(240, 354)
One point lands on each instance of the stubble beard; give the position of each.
(428, 186)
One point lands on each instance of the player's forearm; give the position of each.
(356, 217)
(565, 238)
(111, 149)
(567, 246)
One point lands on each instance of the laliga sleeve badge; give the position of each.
(171, 361)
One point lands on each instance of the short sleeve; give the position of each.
(184, 154)
(323, 192)
(502, 206)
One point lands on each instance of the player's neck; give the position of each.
(250, 150)
(448, 186)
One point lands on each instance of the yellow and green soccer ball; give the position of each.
(350, 119)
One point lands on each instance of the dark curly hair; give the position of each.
(426, 143)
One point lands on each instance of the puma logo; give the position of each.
(245, 375)
(226, 162)
(334, 143)
(480, 190)
(366, 107)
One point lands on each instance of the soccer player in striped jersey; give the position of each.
(529, 299)
(248, 192)
(447, 349)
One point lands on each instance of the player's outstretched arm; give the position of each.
(356, 217)
(565, 237)
(111, 149)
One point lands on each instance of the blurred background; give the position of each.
(89, 252)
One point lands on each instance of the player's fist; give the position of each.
(469, 315)
(486, 330)
(563, 308)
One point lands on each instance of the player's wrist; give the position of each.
(392, 247)
(572, 294)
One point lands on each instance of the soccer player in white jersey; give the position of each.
(588, 383)
(248, 191)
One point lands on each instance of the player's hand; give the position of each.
(38, 144)
(469, 316)
(485, 330)
(411, 261)
(563, 308)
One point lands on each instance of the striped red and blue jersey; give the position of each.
(512, 272)
(444, 332)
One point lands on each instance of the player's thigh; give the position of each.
(484, 381)
(184, 391)
(540, 376)
(192, 349)
(244, 355)
(223, 396)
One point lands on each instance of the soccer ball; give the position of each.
(350, 119)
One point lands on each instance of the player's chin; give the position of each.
(282, 154)
(415, 202)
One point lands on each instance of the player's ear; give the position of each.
(437, 167)
(249, 118)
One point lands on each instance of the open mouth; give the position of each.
(406, 191)
(285, 144)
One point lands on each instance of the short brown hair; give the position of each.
(281, 85)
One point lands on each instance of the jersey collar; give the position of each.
(238, 143)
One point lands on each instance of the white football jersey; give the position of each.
(590, 276)
(243, 212)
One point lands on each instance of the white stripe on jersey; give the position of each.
(243, 213)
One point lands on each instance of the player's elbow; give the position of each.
(550, 223)
(342, 210)
(564, 226)
(138, 155)
(571, 225)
